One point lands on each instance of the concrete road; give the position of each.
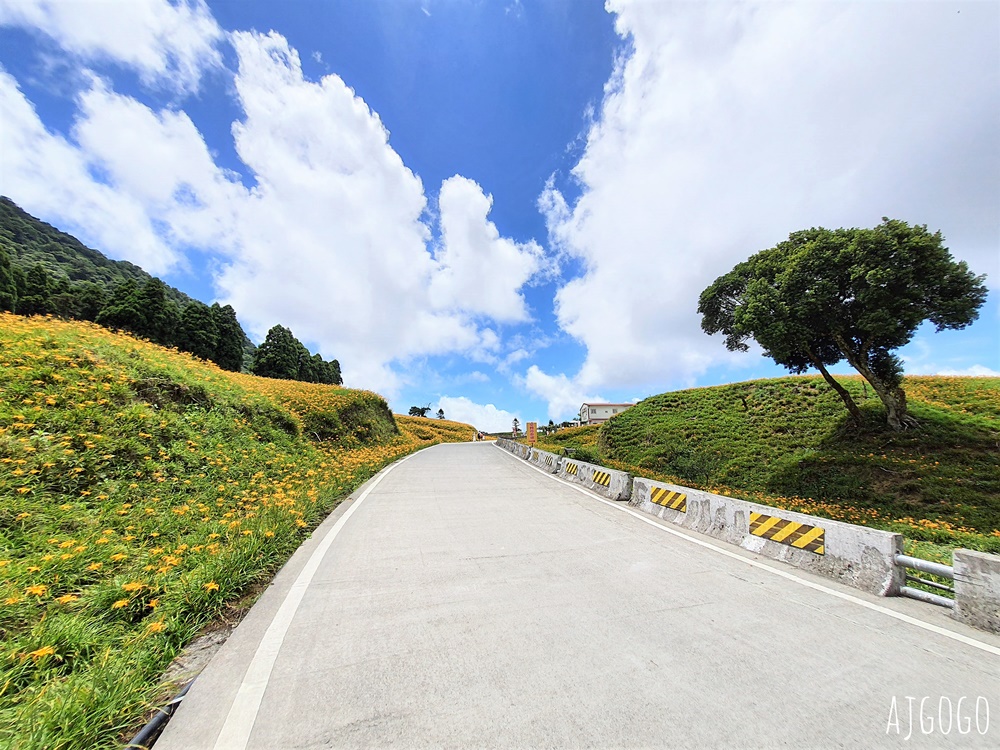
(468, 600)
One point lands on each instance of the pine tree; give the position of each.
(197, 332)
(278, 356)
(229, 338)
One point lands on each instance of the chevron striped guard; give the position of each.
(800, 535)
(602, 478)
(669, 499)
(571, 469)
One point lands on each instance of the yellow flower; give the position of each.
(67, 598)
(42, 652)
(95, 566)
(119, 604)
(37, 589)
(153, 603)
(132, 586)
(211, 586)
(157, 627)
(12, 600)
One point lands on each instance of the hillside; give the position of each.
(786, 441)
(29, 241)
(143, 491)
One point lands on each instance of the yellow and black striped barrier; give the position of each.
(799, 535)
(572, 469)
(602, 478)
(669, 498)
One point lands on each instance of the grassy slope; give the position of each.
(141, 491)
(786, 442)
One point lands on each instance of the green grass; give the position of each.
(787, 442)
(143, 492)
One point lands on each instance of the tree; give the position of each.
(278, 356)
(229, 338)
(122, 310)
(8, 283)
(440, 413)
(514, 428)
(89, 299)
(198, 333)
(160, 317)
(36, 298)
(419, 411)
(825, 295)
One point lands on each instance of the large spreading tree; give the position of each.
(825, 295)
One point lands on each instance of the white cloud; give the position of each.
(166, 43)
(48, 175)
(329, 242)
(479, 271)
(978, 371)
(727, 127)
(487, 418)
(332, 243)
(564, 395)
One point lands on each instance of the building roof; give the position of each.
(598, 403)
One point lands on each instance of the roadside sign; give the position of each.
(532, 429)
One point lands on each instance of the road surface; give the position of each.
(465, 599)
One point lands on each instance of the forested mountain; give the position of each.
(47, 272)
(30, 242)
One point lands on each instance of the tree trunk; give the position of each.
(893, 397)
(852, 407)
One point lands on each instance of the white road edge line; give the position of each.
(754, 563)
(243, 713)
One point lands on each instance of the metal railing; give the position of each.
(926, 566)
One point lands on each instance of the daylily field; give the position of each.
(141, 490)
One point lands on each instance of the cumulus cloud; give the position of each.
(727, 127)
(478, 270)
(487, 418)
(331, 238)
(332, 241)
(168, 44)
(51, 176)
(563, 394)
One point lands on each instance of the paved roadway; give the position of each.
(469, 600)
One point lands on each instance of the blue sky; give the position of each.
(502, 208)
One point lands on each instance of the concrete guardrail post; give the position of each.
(977, 589)
(856, 555)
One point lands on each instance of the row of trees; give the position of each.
(212, 333)
(284, 356)
(421, 411)
(145, 309)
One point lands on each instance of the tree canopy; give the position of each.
(824, 296)
(284, 356)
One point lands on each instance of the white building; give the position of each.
(598, 413)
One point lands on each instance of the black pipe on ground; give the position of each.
(149, 733)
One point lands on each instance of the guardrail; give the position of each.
(926, 566)
(859, 556)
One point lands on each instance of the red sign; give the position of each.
(532, 429)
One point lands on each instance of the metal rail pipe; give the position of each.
(926, 596)
(926, 566)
